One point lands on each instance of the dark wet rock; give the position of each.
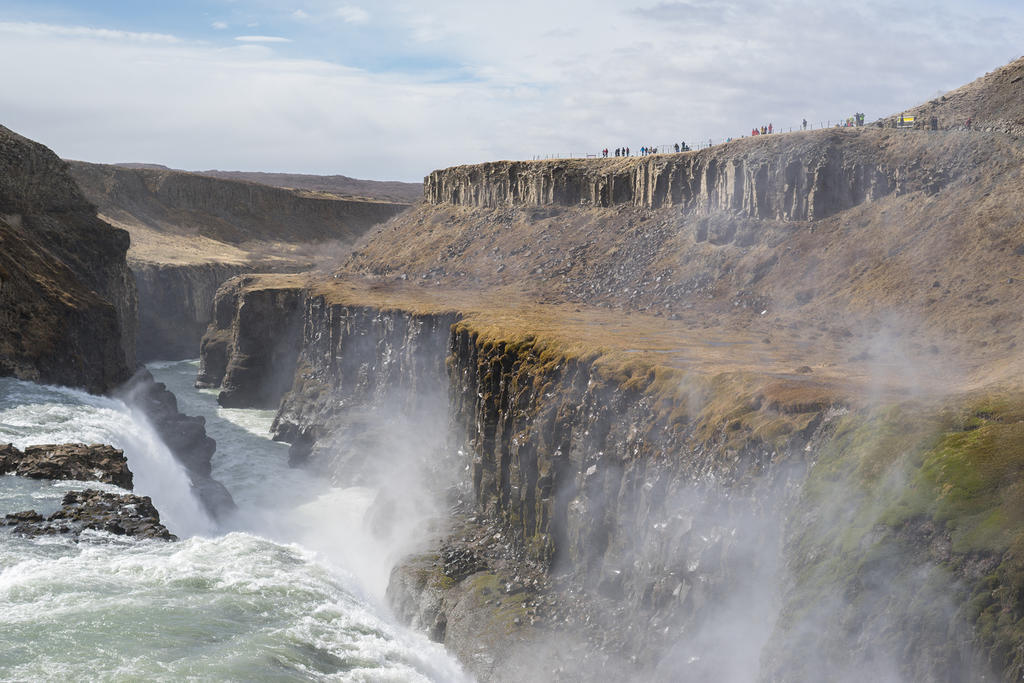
(184, 435)
(120, 514)
(78, 461)
(28, 516)
(460, 562)
(8, 456)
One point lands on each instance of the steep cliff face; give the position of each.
(230, 211)
(67, 297)
(721, 527)
(274, 340)
(252, 344)
(176, 306)
(658, 521)
(354, 358)
(794, 177)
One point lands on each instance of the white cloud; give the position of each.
(353, 14)
(490, 81)
(219, 25)
(262, 39)
(44, 30)
(300, 14)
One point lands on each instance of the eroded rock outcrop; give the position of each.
(95, 462)
(184, 435)
(67, 297)
(252, 345)
(120, 514)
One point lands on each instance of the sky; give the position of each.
(392, 89)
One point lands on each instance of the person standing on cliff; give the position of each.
(805, 124)
(769, 129)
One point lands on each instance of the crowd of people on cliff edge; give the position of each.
(856, 120)
(644, 151)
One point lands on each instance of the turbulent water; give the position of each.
(290, 588)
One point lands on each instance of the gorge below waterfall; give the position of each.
(270, 594)
(747, 413)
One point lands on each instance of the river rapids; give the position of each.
(289, 588)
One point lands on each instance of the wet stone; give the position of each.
(120, 514)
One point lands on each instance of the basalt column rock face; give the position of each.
(251, 347)
(667, 539)
(361, 357)
(67, 297)
(176, 306)
(798, 177)
(663, 534)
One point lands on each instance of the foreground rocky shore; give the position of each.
(122, 514)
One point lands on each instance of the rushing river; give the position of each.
(289, 588)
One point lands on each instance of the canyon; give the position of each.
(191, 232)
(752, 412)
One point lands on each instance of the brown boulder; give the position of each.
(68, 461)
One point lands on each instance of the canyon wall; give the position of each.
(662, 523)
(796, 177)
(68, 303)
(176, 306)
(230, 211)
(357, 356)
(251, 346)
(620, 504)
(67, 297)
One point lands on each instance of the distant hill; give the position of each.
(151, 199)
(337, 185)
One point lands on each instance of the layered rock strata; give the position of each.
(177, 202)
(67, 297)
(252, 344)
(797, 177)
